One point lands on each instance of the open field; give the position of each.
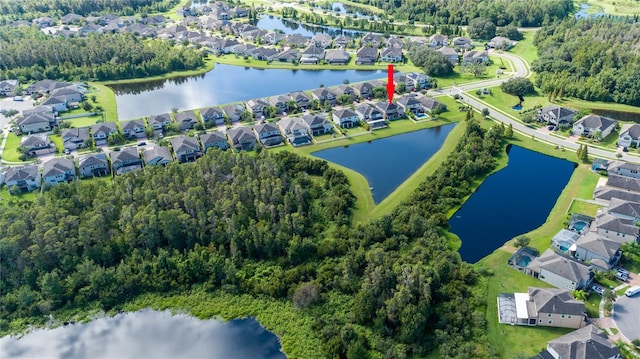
(580, 104)
(504, 101)
(526, 48)
(612, 7)
(57, 140)
(10, 152)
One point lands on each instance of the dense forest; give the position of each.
(271, 225)
(11, 10)
(460, 12)
(29, 54)
(592, 59)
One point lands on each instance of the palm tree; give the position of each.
(580, 294)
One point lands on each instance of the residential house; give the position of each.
(238, 12)
(323, 94)
(186, 120)
(233, 112)
(102, 131)
(43, 22)
(629, 136)
(215, 139)
(337, 57)
(556, 115)
(36, 122)
(344, 89)
(264, 54)
(158, 122)
(89, 29)
(417, 81)
(625, 169)
(364, 90)
(592, 125)
(74, 138)
(133, 129)
(125, 160)
(391, 54)
(57, 104)
(371, 115)
(58, 170)
(93, 165)
(268, 134)
(157, 156)
(371, 40)
(289, 55)
(45, 110)
(45, 86)
(272, 38)
(560, 271)
(624, 182)
(345, 118)
(430, 104)
(321, 40)
(601, 252)
(212, 115)
(312, 55)
(317, 124)
(615, 228)
(411, 104)
(606, 194)
(451, 54)
(462, 42)
(501, 43)
(70, 19)
(394, 41)
(186, 149)
(280, 102)
(8, 87)
(68, 94)
(342, 41)
(366, 55)
(438, 40)
(585, 343)
(295, 130)
(390, 111)
(26, 178)
(257, 106)
(244, 50)
(548, 307)
(302, 100)
(242, 138)
(223, 46)
(297, 40)
(475, 57)
(37, 144)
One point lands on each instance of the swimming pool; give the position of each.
(523, 261)
(579, 226)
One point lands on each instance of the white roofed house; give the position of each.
(295, 130)
(23, 178)
(268, 134)
(629, 136)
(215, 139)
(58, 170)
(126, 160)
(157, 156)
(133, 129)
(317, 124)
(93, 165)
(591, 125)
(186, 149)
(556, 115)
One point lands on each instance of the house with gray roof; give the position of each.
(125, 160)
(279, 102)
(391, 54)
(342, 41)
(394, 41)
(133, 128)
(242, 138)
(438, 40)
(321, 40)
(560, 271)
(588, 342)
(158, 122)
(623, 182)
(74, 138)
(264, 53)
(36, 122)
(295, 130)
(371, 39)
(430, 104)
(93, 165)
(364, 90)
(157, 156)
(617, 229)
(366, 55)
(215, 139)
(475, 57)
(186, 120)
(500, 42)
(37, 144)
(590, 125)
(624, 209)
(418, 81)
(256, 106)
(601, 252)
(410, 104)
(58, 170)
(102, 131)
(451, 54)
(58, 104)
(622, 168)
(323, 94)
(26, 178)
(212, 115)
(605, 194)
(556, 115)
(317, 124)
(390, 111)
(549, 307)
(629, 136)
(345, 118)
(344, 89)
(233, 111)
(312, 55)
(303, 101)
(186, 149)
(297, 40)
(371, 115)
(68, 94)
(462, 42)
(289, 55)
(268, 134)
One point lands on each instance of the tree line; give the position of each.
(592, 59)
(269, 225)
(11, 10)
(29, 54)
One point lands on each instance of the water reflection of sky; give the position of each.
(147, 334)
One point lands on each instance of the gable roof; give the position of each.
(240, 133)
(628, 183)
(211, 112)
(585, 343)
(631, 209)
(633, 131)
(557, 111)
(554, 300)
(183, 143)
(21, 173)
(343, 113)
(39, 140)
(611, 223)
(125, 154)
(185, 116)
(212, 137)
(616, 166)
(35, 118)
(265, 127)
(131, 125)
(157, 151)
(563, 267)
(608, 193)
(367, 51)
(105, 127)
(391, 51)
(57, 166)
(93, 159)
(292, 124)
(594, 243)
(159, 119)
(597, 122)
(314, 120)
(71, 133)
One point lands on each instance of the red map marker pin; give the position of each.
(390, 85)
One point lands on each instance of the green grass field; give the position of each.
(10, 152)
(57, 140)
(504, 101)
(86, 121)
(526, 48)
(612, 7)
(105, 98)
(593, 305)
(581, 207)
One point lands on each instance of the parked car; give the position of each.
(621, 276)
(632, 291)
(622, 271)
(597, 289)
(18, 98)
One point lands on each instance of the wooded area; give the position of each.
(592, 59)
(274, 225)
(460, 12)
(29, 54)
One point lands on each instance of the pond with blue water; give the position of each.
(513, 201)
(147, 334)
(224, 84)
(388, 162)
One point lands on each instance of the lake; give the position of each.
(513, 201)
(388, 162)
(147, 334)
(584, 12)
(224, 84)
(269, 22)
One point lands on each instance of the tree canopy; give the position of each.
(433, 63)
(518, 86)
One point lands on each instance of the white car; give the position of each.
(598, 289)
(632, 291)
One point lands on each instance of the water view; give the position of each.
(515, 200)
(224, 84)
(147, 334)
(388, 162)
(269, 22)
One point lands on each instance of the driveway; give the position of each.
(626, 312)
(9, 104)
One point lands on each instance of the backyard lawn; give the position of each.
(10, 152)
(582, 207)
(593, 305)
(86, 121)
(57, 140)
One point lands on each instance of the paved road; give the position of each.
(626, 312)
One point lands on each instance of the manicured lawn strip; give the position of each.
(508, 340)
(526, 48)
(172, 13)
(57, 140)
(580, 104)
(83, 121)
(581, 207)
(593, 305)
(10, 152)
(293, 327)
(105, 98)
(504, 101)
